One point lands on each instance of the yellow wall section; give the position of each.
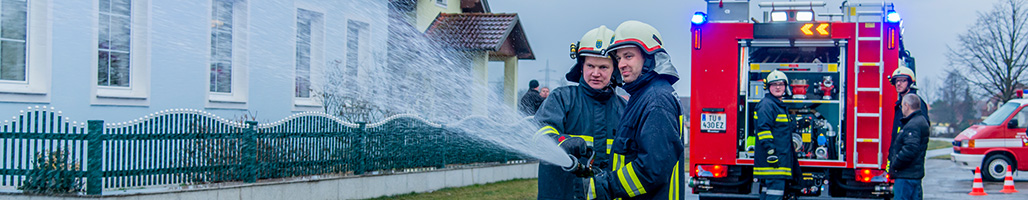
(428, 10)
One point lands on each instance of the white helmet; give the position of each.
(593, 43)
(775, 76)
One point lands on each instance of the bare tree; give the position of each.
(929, 91)
(994, 51)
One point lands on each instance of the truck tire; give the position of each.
(995, 167)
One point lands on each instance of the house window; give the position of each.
(441, 3)
(356, 41)
(122, 56)
(13, 19)
(115, 41)
(310, 68)
(25, 51)
(221, 47)
(228, 55)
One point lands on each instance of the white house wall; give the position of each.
(179, 54)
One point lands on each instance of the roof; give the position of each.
(499, 32)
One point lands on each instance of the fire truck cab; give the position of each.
(839, 94)
(996, 143)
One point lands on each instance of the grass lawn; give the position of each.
(934, 144)
(943, 157)
(512, 189)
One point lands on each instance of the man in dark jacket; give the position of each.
(774, 161)
(907, 151)
(582, 115)
(648, 137)
(531, 101)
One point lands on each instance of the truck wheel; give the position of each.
(995, 167)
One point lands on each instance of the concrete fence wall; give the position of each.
(357, 187)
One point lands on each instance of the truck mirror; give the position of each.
(1012, 124)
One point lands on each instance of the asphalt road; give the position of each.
(943, 180)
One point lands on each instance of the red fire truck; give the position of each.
(838, 65)
(996, 143)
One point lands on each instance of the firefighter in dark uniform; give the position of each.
(775, 163)
(581, 116)
(649, 138)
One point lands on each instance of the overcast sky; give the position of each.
(551, 27)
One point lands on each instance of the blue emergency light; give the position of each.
(892, 16)
(699, 18)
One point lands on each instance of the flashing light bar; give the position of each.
(699, 18)
(892, 16)
(779, 16)
(805, 16)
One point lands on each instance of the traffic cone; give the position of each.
(976, 188)
(1008, 183)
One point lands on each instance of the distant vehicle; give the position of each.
(996, 143)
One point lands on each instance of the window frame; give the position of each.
(316, 68)
(38, 35)
(239, 95)
(363, 55)
(441, 3)
(138, 91)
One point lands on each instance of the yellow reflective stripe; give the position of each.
(782, 120)
(673, 186)
(754, 115)
(630, 170)
(584, 137)
(765, 135)
(785, 171)
(610, 144)
(546, 130)
(592, 189)
(783, 116)
(624, 183)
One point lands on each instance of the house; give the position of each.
(120, 60)
(470, 27)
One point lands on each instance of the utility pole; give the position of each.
(547, 71)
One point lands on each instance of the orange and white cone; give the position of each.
(1008, 183)
(977, 189)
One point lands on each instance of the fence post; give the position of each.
(95, 157)
(444, 150)
(362, 163)
(250, 152)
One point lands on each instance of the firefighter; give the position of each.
(648, 138)
(903, 80)
(581, 116)
(775, 161)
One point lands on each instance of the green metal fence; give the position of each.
(183, 146)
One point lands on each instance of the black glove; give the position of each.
(575, 146)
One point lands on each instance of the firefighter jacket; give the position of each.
(898, 114)
(774, 130)
(906, 152)
(649, 140)
(577, 111)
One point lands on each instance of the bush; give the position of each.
(52, 173)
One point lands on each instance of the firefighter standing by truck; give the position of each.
(589, 110)
(775, 161)
(648, 136)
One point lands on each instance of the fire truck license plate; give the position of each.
(712, 122)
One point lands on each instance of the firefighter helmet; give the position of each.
(902, 71)
(636, 33)
(592, 43)
(775, 76)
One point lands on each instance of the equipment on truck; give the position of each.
(838, 67)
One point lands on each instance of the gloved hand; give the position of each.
(600, 187)
(575, 146)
